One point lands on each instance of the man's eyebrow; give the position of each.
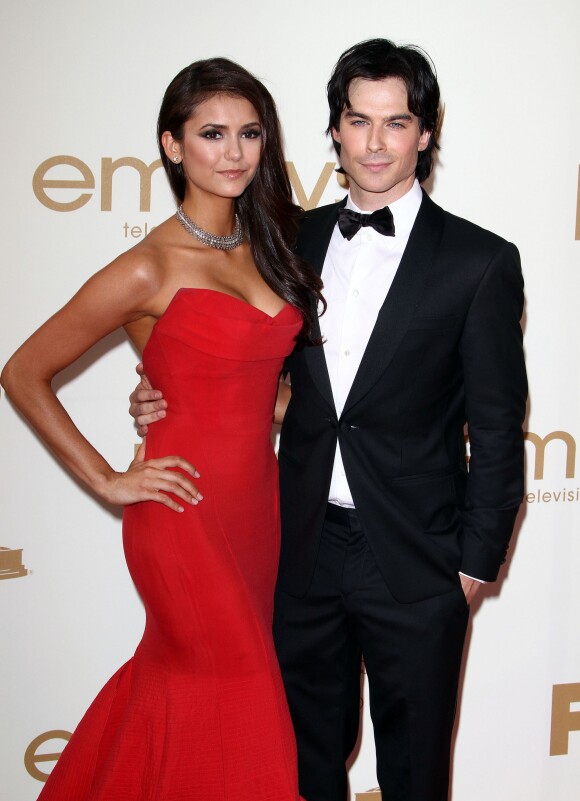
(390, 118)
(352, 113)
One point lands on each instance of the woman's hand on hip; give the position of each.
(152, 480)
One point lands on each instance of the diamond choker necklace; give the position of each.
(213, 240)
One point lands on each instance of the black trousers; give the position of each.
(412, 654)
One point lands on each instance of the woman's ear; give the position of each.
(171, 147)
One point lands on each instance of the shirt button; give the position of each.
(347, 352)
(355, 292)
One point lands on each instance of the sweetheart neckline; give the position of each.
(215, 292)
(227, 295)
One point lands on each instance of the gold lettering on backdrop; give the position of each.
(312, 201)
(11, 563)
(108, 167)
(40, 182)
(562, 495)
(578, 208)
(32, 757)
(564, 720)
(540, 448)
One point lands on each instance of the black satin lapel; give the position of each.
(319, 370)
(315, 234)
(315, 231)
(401, 301)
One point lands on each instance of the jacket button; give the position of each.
(333, 422)
(345, 427)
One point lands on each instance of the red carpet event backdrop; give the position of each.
(81, 181)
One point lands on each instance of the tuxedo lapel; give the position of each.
(315, 233)
(401, 301)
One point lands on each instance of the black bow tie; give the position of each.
(350, 222)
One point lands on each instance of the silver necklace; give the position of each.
(213, 240)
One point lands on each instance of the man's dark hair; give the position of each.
(375, 59)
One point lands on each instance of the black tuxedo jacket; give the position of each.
(446, 349)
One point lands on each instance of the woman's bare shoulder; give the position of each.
(145, 265)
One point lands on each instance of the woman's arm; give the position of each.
(119, 294)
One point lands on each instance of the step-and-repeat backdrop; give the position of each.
(81, 182)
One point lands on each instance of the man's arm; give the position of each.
(147, 405)
(495, 400)
(282, 401)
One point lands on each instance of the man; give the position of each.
(385, 535)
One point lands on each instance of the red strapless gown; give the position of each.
(199, 713)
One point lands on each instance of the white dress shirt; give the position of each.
(357, 275)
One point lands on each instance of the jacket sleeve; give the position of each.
(495, 401)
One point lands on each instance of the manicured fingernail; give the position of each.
(161, 413)
(199, 496)
(157, 395)
(196, 474)
(194, 501)
(180, 509)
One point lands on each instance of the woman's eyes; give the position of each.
(251, 133)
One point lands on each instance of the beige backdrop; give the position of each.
(80, 91)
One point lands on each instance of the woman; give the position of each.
(214, 305)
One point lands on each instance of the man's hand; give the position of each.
(470, 587)
(147, 404)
